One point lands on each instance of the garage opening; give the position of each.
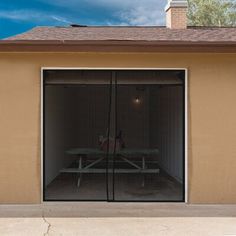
(114, 135)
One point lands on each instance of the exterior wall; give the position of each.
(212, 123)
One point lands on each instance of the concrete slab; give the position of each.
(106, 209)
(159, 187)
(22, 226)
(118, 226)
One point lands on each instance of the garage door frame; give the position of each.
(186, 182)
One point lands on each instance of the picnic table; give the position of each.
(125, 154)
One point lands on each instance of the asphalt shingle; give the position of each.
(116, 33)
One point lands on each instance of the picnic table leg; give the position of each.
(79, 174)
(143, 168)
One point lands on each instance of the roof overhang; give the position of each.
(116, 46)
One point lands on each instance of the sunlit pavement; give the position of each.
(119, 226)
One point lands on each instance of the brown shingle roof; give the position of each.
(116, 33)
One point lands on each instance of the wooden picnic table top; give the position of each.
(123, 152)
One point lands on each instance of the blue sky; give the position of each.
(17, 16)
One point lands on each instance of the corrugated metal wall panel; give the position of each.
(166, 119)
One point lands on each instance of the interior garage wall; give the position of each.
(211, 118)
(132, 118)
(59, 131)
(73, 118)
(91, 115)
(166, 119)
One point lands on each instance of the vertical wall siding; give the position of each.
(59, 130)
(133, 119)
(166, 119)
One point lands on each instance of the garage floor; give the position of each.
(127, 188)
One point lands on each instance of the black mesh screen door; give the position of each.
(113, 135)
(149, 132)
(76, 130)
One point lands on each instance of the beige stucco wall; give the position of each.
(212, 119)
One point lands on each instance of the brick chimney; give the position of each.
(176, 14)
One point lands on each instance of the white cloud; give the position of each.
(142, 16)
(138, 12)
(20, 15)
(61, 19)
(127, 12)
(29, 15)
(108, 3)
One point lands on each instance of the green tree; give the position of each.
(212, 12)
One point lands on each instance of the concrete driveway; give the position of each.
(117, 219)
(168, 226)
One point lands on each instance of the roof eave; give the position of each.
(115, 46)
